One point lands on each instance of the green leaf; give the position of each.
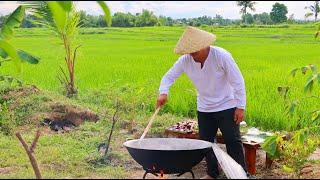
(26, 57)
(292, 106)
(313, 68)
(300, 137)
(270, 146)
(309, 84)
(59, 15)
(315, 115)
(13, 21)
(3, 54)
(12, 53)
(305, 69)
(308, 14)
(293, 72)
(287, 169)
(66, 5)
(106, 10)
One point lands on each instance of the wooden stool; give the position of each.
(250, 149)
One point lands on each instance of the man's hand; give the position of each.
(162, 99)
(238, 115)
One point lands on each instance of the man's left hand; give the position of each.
(238, 115)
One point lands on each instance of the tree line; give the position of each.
(277, 15)
(145, 18)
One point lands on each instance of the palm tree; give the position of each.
(63, 18)
(315, 10)
(245, 5)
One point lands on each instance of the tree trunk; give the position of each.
(29, 151)
(72, 85)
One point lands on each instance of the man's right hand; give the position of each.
(162, 99)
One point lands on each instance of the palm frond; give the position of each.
(41, 10)
(106, 10)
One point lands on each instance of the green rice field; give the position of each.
(135, 59)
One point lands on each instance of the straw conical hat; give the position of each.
(192, 40)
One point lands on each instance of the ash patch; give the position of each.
(66, 117)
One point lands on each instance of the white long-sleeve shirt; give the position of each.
(219, 82)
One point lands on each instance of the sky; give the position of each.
(180, 9)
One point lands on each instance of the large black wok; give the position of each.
(167, 155)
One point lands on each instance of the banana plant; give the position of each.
(7, 51)
(62, 18)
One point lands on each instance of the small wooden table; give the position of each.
(249, 147)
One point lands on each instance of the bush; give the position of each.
(204, 26)
(6, 120)
(247, 26)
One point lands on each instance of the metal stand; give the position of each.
(147, 172)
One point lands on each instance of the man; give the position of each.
(221, 96)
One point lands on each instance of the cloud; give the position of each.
(180, 9)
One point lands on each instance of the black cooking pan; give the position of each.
(167, 155)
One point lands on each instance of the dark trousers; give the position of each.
(208, 126)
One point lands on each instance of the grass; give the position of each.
(59, 156)
(126, 65)
(73, 154)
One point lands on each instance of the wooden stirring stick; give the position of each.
(150, 123)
